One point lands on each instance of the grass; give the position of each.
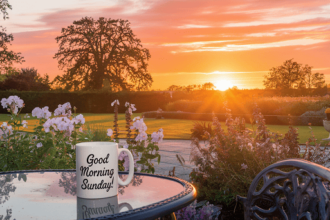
(173, 128)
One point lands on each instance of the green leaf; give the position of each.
(150, 156)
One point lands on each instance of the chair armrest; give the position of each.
(289, 189)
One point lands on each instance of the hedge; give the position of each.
(270, 119)
(90, 102)
(100, 102)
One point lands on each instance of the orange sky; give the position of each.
(190, 41)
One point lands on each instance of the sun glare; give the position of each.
(223, 84)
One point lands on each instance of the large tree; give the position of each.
(7, 57)
(292, 75)
(93, 51)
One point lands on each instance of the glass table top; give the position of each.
(52, 195)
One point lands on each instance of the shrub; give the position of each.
(184, 105)
(52, 144)
(243, 105)
(199, 130)
(198, 211)
(229, 161)
(90, 102)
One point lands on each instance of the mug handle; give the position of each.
(131, 167)
(124, 205)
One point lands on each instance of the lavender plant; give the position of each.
(128, 114)
(115, 119)
(197, 211)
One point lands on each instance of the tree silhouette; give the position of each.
(7, 57)
(293, 75)
(94, 51)
(208, 86)
(189, 88)
(311, 80)
(27, 79)
(4, 5)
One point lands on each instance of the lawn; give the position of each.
(173, 128)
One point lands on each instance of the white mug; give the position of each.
(93, 208)
(97, 169)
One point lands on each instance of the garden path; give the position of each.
(168, 149)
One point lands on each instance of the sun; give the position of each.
(223, 84)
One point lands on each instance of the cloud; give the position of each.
(194, 44)
(208, 73)
(244, 47)
(303, 28)
(232, 35)
(261, 34)
(187, 26)
(282, 15)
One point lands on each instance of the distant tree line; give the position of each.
(293, 75)
(24, 79)
(205, 86)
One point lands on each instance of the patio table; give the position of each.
(51, 194)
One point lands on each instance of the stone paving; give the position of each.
(168, 149)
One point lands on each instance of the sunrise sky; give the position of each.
(190, 41)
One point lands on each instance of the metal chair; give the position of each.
(289, 189)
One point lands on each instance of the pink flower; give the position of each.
(41, 113)
(24, 123)
(244, 166)
(157, 136)
(110, 132)
(115, 102)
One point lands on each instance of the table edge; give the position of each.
(152, 211)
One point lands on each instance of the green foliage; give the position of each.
(195, 102)
(4, 6)
(90, 102)
(55, 149)
(294, 106)
(26, 79)
(7, 57)
(38, 150)
(148, 151)
(199, 130)
(184, 105)
(232, 158)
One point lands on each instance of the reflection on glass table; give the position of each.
(93, 208)
(52, 195)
